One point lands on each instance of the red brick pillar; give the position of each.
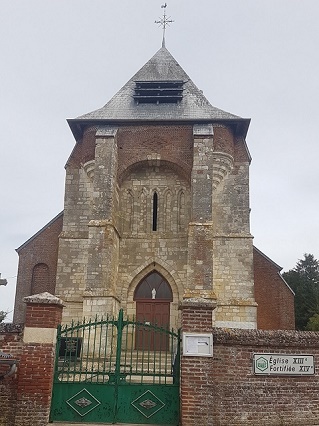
(35, 373)
(196, 371)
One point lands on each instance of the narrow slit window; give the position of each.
(155, 208)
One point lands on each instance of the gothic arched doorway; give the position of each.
(153, 296)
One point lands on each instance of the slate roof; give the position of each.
(162, 66)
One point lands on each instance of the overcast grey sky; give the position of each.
(254, 58)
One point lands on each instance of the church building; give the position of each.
(156, 211)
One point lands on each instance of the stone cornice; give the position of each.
(43, 298)
(233, 235)
(103, 223)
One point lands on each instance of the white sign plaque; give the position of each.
(283, 364)
(197, 344)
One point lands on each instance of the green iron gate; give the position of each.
(116, 371)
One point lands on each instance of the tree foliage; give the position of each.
(313, 323)
(304, 281)
(3, 315)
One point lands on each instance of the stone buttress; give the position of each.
(158, 181)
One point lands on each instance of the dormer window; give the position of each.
(158, 92)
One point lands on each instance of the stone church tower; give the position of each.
(156, 211)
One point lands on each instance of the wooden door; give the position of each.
(152, 313)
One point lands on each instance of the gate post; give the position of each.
(36, 368)
(196, 371)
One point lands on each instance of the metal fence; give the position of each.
(113, 350)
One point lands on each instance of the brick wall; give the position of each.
(238, 397)
(196, 372)
(173, 143)
(84, 149)
(219, 390)
(274, 297)
(39, 253)
(35, 377)
(37, 317)
(10, 343)
(25, 397)
(223, 390)
(35, 384)
(223, 139)
(40, 278)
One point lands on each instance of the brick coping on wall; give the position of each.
(277, 338)
(8, 327)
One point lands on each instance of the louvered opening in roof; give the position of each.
(158, 92)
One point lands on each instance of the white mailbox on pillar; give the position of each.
(197, 344)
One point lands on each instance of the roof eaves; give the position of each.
(239, 124)
(283, 279)
(75, 127)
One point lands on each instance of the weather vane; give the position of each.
(164, 22)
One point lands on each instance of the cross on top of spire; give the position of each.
(164, 22)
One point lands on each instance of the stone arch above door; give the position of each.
(173, 283)
(155, 287)
(138, 274)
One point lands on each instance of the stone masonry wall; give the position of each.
(73, 240)
(140, 247)
(233, 282)
(232, 245)
(200, 244)
(136, 197)
(202, 240)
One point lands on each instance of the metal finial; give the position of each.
(164, 22)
